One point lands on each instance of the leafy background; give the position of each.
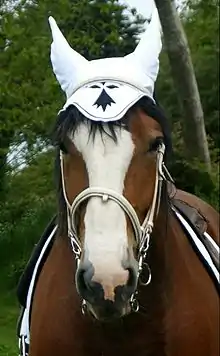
(30, 98)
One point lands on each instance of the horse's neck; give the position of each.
(168, 260)
(175, 267)
(158, 260)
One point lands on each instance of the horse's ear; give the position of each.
(146, 54)
(65, 61)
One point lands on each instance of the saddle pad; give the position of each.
(23, 329)
(199, 225)
(199, 247)
(24, 320)
(25, 279)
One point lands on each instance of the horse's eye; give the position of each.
(154, 144)
(63, 148)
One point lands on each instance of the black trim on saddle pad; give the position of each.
(26, 276)
(198, 233)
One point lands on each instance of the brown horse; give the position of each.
(122, 165)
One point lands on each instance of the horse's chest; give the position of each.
(131, 338)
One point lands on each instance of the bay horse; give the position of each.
(179, 308)
(122, 277)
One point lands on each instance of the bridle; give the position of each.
(142, 232)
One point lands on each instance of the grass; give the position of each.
(9, 312)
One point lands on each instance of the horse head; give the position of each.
(111, 146)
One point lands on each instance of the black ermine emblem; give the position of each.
(104, 100)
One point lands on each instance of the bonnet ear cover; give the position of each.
(146, 54)
(104, 89)
(65, 61)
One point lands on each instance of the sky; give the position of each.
(144, 7)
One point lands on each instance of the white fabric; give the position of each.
(73, 70)
(214, 244)
(105, 101)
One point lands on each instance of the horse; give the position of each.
(179, 308)
(122, 277)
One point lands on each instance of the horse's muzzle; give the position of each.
(106, 301)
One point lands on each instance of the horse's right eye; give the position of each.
(154, 144)
(63, 148)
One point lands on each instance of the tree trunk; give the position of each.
(185, 81)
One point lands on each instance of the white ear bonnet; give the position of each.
(104, 89)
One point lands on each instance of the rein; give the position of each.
(142, 232)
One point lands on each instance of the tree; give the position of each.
(30, 98)
(30, 95)
(184, 77)
(201, 23)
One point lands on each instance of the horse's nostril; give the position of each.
(124, 292)
(81, 283)
(87, 288)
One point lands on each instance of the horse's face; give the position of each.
(107, 274)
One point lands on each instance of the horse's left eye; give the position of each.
(154, 144)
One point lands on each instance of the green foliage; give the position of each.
(193, 177)
(29, 206)
(200, 20)
(30, 98)
(201, 23)
(202, 29)
(30, 94)
(8, 320)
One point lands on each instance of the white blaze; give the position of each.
(107, 162)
